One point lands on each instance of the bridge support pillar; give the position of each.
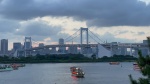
(81, 36)
(27, 44)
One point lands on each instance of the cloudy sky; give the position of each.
(46, 21)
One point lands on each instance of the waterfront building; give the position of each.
(145, 51)
(4, 46)
(41, 44)
(17, 46)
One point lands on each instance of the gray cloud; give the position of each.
(110, 38)
(8, 26)
(94, 12)
(141, 33)
(122, 32)
(38, 30)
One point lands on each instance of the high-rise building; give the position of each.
(61, 42)
(4, 46)
(16, 46)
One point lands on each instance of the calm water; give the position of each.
(59, 73)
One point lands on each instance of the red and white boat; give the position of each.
(76, 71)
(136, 66)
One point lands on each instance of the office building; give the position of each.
(41, 44)
(61, 41)
(61, 49)
(4, 46)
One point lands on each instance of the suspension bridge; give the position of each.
(83, 41)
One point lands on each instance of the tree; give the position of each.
(144, 64)
(93, 56)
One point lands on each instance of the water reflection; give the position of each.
(76, 80)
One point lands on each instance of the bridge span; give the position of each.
(118, 48)
(107, 45)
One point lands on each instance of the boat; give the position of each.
(5, 68)
(16, 66)
(136, 67)
(76, 71)
(114, 63)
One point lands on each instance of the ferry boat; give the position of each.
(76, 71)
(114, 63)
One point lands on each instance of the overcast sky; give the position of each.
(125, 21)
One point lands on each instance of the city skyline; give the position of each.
(47, 21)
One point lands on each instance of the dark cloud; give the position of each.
(38, 29)
(94, 12)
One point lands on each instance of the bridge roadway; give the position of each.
(64, 45)
(107, 45)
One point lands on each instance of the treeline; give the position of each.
(56, 58)
(64, 58)
(119, 58)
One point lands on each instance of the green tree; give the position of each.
(144, 64)
(93, 56)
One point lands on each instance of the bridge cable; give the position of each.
(93, 38)
(72, 35)
(97, 36)
(72, 38)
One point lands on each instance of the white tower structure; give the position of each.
(27, 45)
(81, 35)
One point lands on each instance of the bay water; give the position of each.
(59, 73)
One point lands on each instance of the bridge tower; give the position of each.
(27, 45)
(81, 31)
(81, 38)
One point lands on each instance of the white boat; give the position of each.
(8, 68)
(114, 63)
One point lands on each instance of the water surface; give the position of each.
(59, 73)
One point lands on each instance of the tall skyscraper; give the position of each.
(61, 42)
(4, 46)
